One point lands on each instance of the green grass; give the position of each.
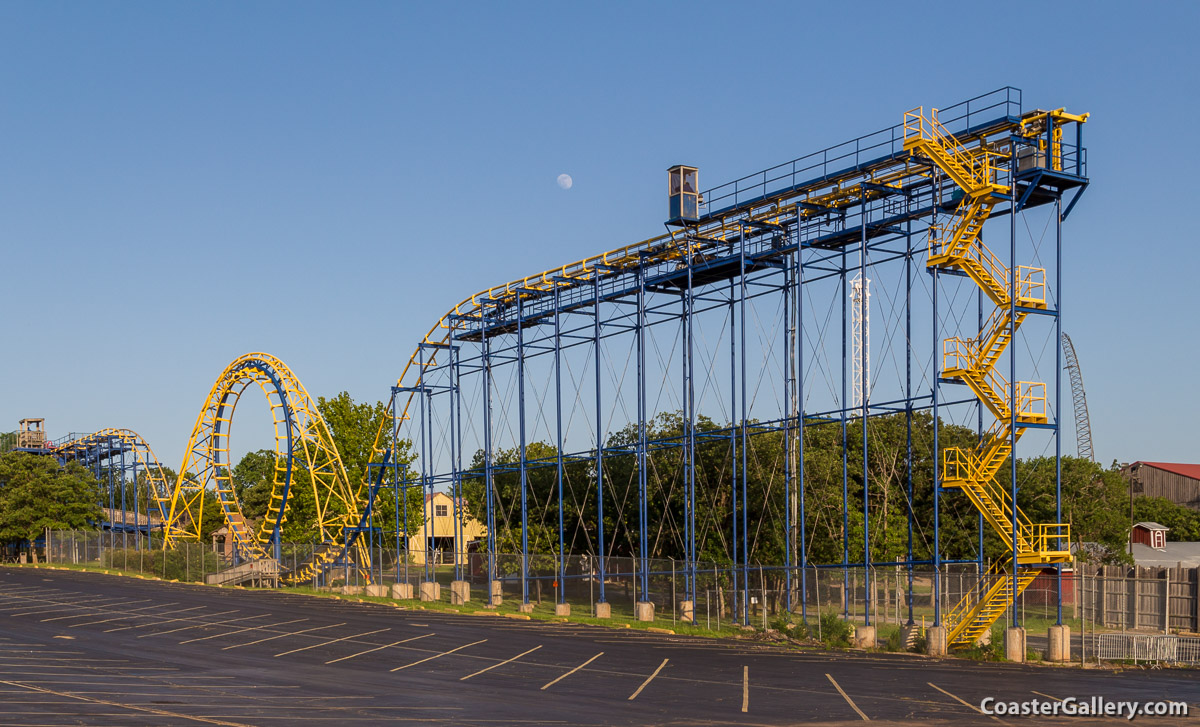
(828, 630)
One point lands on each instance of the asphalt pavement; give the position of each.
(90, 648)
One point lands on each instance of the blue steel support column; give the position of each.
(937, 461)
(1058, 397)
(523, 454)
(789, 424)
(643, 526)
(800, 423)
(137, 508)
(690, 404)
(124, 504)
(562, 553)
(745, 449)
(112, 496)
(908, 404)
(1013, 405)
(396, 488)
(601, 554)
(844, 406)
(733, 453)
(426, 486)
(864, 384)
(979, 569)
(488, 481)
(456, 433)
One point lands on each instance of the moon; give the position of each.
(565, 181)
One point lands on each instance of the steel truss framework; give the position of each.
(129, 472)
(121, 459)
(740, 318)
(303, 443)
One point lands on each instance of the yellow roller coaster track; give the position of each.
(305, 456)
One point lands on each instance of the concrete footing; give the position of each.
(908, 635)
(525, 608)
(687, 609)
(604, 610)
(460, 592)
(431, 591)
(1014, 643)
(352, 590)
(1059, 640)
(864, 637)
(495, 593)
(644, 611)
(935, 641)
(378, 590)
(402, 591)
(562, 609)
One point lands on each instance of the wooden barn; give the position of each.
(1179, 483)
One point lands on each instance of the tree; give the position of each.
(37, 493)
(1184, 522)
(353, 428)
(253, 480)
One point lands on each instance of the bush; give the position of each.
(830, 630)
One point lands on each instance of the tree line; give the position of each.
(36, 493)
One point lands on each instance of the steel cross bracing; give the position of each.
(137, 491)
(629, 366)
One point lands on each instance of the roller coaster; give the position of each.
(727, 325)
(304, 452)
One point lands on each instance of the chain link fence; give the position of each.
(1114, 613)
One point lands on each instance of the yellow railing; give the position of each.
(966, 604)
(956, 354)
(990, 262)
(1045, 537)
(1031, 399)
(1031, 285)
(956, 464)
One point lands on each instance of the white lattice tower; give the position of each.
(860, 337)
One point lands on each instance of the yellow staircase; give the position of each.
(973, 616)
(957, 245)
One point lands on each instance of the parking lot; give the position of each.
(97, 649)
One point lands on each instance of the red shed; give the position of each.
(1152, 535)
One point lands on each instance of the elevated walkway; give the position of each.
(261, 572)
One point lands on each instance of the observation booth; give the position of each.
(31, 434)
(683, 189)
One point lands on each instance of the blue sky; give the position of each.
(181, 183)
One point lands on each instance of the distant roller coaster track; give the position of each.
(306, 456)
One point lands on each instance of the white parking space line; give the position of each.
(564, 676)
(151, 615)
(506, 661)
(242, 630)
(746, 688)
(972, 707)
(378, 648)
(438, 656)
(331, 641)
(280, 636)
(131, 610)
(124, 706)
(202, 624)
(648, 680)
(847, 697)
(111, 602)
